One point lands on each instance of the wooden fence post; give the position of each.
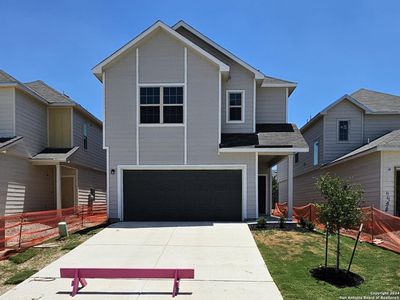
(20, 231)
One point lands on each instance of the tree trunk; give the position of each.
(337, 249)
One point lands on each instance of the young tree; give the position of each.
(342, 207)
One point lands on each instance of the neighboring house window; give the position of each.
(316, 153)
(235, 107)
(296, 158)
(85, 135)
(161, 105)
(343, 130)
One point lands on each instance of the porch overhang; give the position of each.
(53, 156)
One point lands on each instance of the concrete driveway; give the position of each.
(225, 257)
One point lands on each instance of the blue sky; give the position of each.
(329, 47)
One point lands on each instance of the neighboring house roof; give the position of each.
(54, 154)
(389, 141)
(6, 142)
(268, 136)
(378, 102)
(54, 98)
(267, 81)
(371, 102)
(98, 69)
(5, 77)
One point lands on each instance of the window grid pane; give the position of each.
(235, 99)
(149, 95)
(150, 114)
(173, 114)
(173, 95)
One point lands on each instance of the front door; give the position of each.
(397, 205)
(68, 191)
(262, 195)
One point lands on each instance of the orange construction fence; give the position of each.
(379, 228)
(25, 230)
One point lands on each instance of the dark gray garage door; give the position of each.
(184, 195)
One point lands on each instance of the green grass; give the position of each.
(20, 276)
(290, 255)
(24, 256)
(71, 244)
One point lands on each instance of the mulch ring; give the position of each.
(339, 278)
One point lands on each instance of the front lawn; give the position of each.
(290, 255)
(24, 264)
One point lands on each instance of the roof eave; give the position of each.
(98, 69)
(257, 74)
(271, 151)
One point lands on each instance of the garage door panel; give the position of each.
(182, 195)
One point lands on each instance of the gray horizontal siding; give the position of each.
(120, 117)
(31, 122)
(94, 156)
(25, 187)
(271, 105)
(161, 59)
(364, 171)
(344, 110)
(378, 125)
(161, 145)
(87, 179)
(6, 112)
(239, 79)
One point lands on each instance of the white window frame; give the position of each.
(161, 105)
(228, 106)
(338, 131)
(316, 142)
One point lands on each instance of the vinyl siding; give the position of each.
(7, 112)
(271, 105)
(25, 187)
(306, 160)
(94, 156)
(161, 145)
(60, 127)
(390, 163)
(120, 118)
(87, 179)
(239, 79)
(364, 170)
(203, 124)
(31, 122)
(343, 111)
(378, 125)
(283, 191)
(161, 59)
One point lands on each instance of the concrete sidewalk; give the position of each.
(225, 257)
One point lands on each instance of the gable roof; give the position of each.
(5, 77)
(389, 141)
(258, 74)
(55, 98)
(98, 69)
(267, 81)
(378, 102)
(371, 102)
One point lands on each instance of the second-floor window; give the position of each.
(85, 135)
(235, 107)
(316, 153)
(161, 105)
(343, 130)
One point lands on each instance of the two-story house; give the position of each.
(51, 154)
(191, 131)
(356, 137)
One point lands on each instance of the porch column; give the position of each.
(269, 191)
(58, 186)
(290, 185)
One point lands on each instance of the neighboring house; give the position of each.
(191, 131)
(51, 152)
(356, 137)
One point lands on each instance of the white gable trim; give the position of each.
(257, 73)
(348, 98)
(98, 69)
